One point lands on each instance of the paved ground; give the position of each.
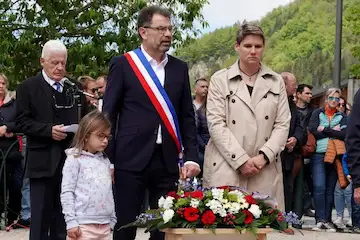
(304, 234)
(307, 235)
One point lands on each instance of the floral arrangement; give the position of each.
(193, 206)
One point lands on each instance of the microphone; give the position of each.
(67, 81)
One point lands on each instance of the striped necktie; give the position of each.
(58, 86)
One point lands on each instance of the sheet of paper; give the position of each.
(71, 128)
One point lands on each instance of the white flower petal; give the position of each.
(168, 215)
(255, 210)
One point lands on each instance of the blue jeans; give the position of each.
(342, 196)
(355, 214)
(25, 200)
(324, 181)
(25, 213)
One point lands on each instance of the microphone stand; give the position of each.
(77, 92)
(78, 100)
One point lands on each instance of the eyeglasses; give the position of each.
(336, 99)
(102, 136)
(341, 105)
(161, 30)
(94, 90)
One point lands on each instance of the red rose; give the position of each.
(250, 199)
(197, 194)
(187, 194)
(248, 217)
(191, 214)
(173, 194)
(208, 218)
(280, 217)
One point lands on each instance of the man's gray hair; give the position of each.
(53, 46)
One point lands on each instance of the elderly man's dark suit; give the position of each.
(36, 114)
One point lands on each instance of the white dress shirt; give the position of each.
(159, 69)
(52, 83)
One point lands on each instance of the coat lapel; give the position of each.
(238, 87)
(262, 85)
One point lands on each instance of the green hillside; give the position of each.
(300, 38)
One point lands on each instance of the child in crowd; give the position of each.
(355, 208)
(86, 190)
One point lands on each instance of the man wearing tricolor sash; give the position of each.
(149, 104)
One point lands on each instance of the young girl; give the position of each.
(86, 189)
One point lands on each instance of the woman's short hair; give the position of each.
(249, 29)
(332, 91)
(2, 75)
(84, 81)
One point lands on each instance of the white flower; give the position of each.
(217, 207)
(214, 204)
(238, 193)
(169, 201)
(227, 205)
(168, 215)
(255, 210)
(161, 202)
(217, 194)
(222, 212)
(194, 203)
(243, 203)
(224, 201)
(234, 208)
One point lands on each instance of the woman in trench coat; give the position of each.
(248, 117)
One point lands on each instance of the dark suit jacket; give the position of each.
(35, 117)
(353, 142)
(297, 131)
(135, 121)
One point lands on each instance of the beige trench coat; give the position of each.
(241, 125)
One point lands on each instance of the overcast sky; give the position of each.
(220, 13)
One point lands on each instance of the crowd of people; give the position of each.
(309, 185)
(139, 130)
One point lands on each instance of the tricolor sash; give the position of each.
(157, 95)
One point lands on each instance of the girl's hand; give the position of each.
(348, 178)
(320, 128)
(74, 233)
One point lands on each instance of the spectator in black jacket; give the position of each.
(297, 137)
(8, 142)
(202, 133)
(353, 154)
(304, 108)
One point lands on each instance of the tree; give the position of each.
(93, 31)
(299, 38)
(352, 22)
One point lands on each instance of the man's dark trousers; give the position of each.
(156, 178)
(46, 193)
